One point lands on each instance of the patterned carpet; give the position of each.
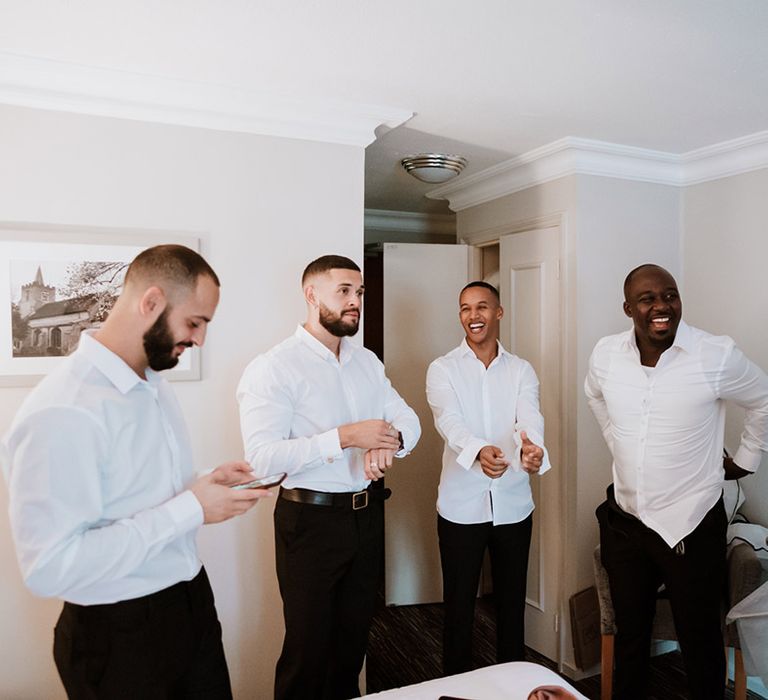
(405, 647)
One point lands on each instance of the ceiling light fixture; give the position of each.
(434, 168)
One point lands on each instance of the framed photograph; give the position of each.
(56, 282)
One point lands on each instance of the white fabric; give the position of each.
(511, 681)
(733, 498)
(474, 407)
(294, 398)
(751, 617)
(665, 430)
(98, 463)
(754, 535)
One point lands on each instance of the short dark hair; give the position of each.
(628, 279)
(171, 263)
(326, 263)
(484, 285)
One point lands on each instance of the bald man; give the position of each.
(104, 507)
(658, 392)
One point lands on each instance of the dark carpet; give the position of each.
(405, 647)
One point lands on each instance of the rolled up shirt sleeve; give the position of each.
(449, 418)
(402, 417)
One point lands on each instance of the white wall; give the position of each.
(622, 224)
(609, 226)
(263, 208)
(726, 289)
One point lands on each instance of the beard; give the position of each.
(159, 344)
(336, 324)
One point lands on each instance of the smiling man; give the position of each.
(103, 505)
(319, 407)
(658, 393)
(486, 407)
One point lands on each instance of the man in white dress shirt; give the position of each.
(486, 406)
(658, 393)
(104, 506)
(319, 407)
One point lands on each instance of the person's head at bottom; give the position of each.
(551, 692)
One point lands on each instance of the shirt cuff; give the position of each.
(746, 459)
(516, 463)
(330, 446)
(186, 512)
(469, 454)
(407, 439)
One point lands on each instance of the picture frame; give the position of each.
(58, 280)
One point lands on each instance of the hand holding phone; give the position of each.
(266, 482)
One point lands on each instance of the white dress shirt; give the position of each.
(474, 407)
(99, 460)
(294, 398)
(664, 427)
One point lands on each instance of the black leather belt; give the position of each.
(346, 500)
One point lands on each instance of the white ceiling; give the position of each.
(488, 79)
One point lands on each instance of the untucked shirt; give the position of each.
(294, 398)
(99, 460)
(474, 407)
(665, 428)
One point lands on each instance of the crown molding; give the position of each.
(726, 159)
(576, 156)
(43, 83)
(409, 222)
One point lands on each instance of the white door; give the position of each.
(421, 287)
(530, 289)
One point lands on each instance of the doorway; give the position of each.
(418, 322)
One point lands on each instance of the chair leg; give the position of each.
(739, 677)
(606, 667)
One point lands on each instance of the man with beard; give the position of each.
(486, 406)
(104, 507)
(658, 392)
(319, 407)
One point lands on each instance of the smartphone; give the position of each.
(267, 482)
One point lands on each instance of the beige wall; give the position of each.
(726, 287)
(608, 227)
(261, 212)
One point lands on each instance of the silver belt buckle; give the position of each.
(359, 500)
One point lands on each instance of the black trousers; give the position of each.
(638, 561)
(163, 646)
(328, 568)
(462, 548)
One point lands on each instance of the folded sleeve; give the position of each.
(402, 417)
(449, 419)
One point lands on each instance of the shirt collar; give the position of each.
(111, 365)
(345, 349)
(683, 339)
(466, 350)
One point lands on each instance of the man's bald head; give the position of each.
(640, 268)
